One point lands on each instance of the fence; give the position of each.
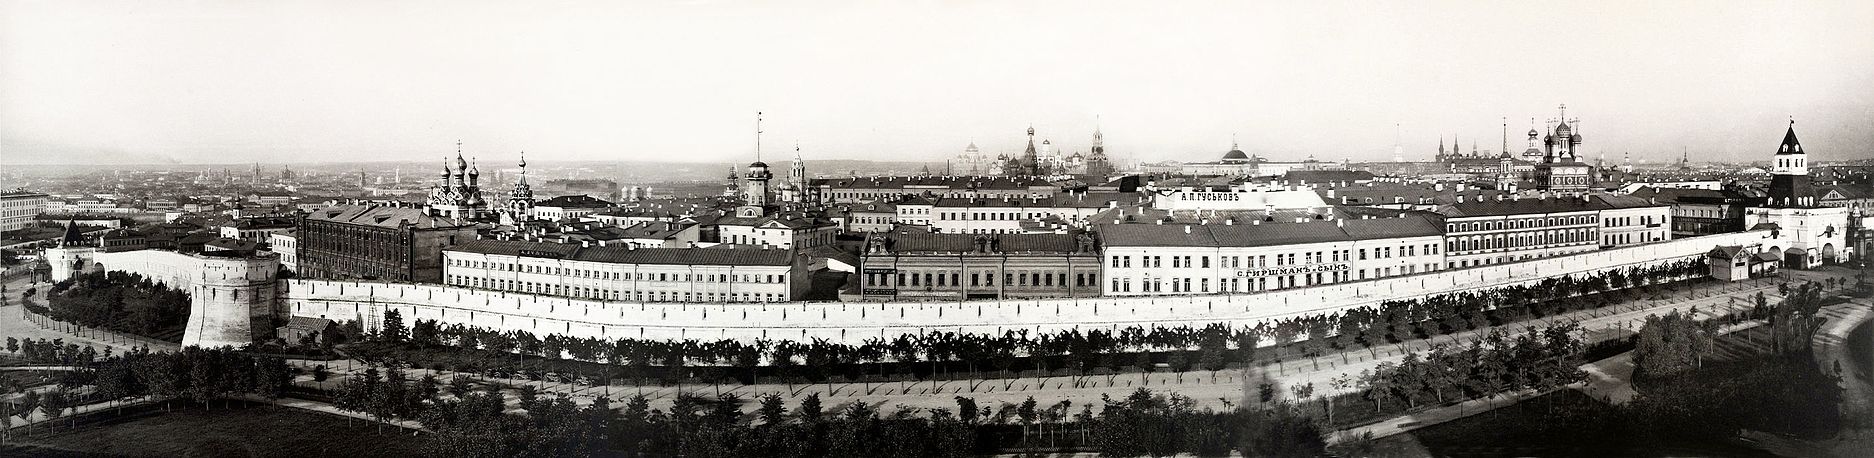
(100, 335)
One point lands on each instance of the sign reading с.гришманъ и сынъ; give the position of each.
(1308, 269)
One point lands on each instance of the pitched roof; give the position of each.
(1415, 224)
(908, 241)
(308, 323)
(574, 201)
(721, 255)
(382, 216)
(1325, 176)
(1525, 206)
(1725, 252)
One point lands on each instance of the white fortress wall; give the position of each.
(230, 298)
(854, 322)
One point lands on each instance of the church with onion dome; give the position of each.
(459, 194)
(1561, 169)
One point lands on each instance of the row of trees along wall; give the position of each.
(855, 322)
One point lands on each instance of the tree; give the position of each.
(1669, 345)
(393, 330)
(1180, 361)
(319, 374)
(1027, 413)
(54, 404)
(459, 385)
(27, 404)
(810, 409)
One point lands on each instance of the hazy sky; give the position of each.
(287, 81)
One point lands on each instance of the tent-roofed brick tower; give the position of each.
(1789, 174)
(1804, 233)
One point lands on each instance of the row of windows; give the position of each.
(1182, 285)
(1284, 259)
(621, 276)
(989, 216)
(1632, 238)
(980, 279)
(1524, 223)
(610, 294)
(1519, 240)
(1619, 221)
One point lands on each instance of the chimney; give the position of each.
(1255, 222)
(1460, 198)
(1439, 186)
(1229, 221)
(1330, 193)
(1340, 223)
(1187, 228)
(1516, 197)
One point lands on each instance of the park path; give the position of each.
(1609, 379)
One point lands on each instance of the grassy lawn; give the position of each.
(259, 430)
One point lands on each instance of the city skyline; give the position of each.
(129, 83)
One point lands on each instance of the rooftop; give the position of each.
(1415, 224)
(722, 255)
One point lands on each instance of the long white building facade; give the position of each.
(1181, 259)
(725, 273)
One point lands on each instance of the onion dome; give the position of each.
(460, 164)
(1533, 133)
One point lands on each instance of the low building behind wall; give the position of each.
(853, 322)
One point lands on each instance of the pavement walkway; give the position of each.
(1609, 379)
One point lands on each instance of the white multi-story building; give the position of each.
(18, 209)
(914, 211)
(1015, 215)
(719, 274)
(1167, 259)
(285, 244)
(785, 230)
(258, 229)
(1512, 229)
(1634, 221)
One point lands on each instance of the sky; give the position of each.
(304, 81)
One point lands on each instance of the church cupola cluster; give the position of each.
(1790, 185)
(459, 194)
(1561, 168)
